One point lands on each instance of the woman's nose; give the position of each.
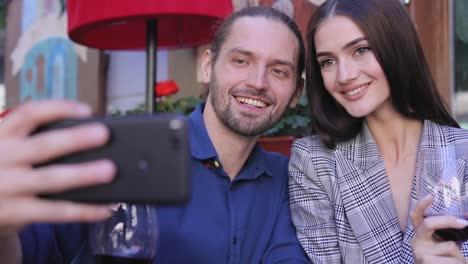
(347, 71)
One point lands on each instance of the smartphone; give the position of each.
(151, 153)
(452, 234)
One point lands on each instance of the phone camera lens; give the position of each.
(176, 124)
(143, 166)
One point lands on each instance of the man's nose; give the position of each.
(347, 71)
(257, 77)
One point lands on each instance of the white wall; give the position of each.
(2, 97)
(126, 79)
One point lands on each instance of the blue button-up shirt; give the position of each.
(246, 220)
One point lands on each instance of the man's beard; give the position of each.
(242, 125)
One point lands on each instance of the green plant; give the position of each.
(295, 121)
(184, 105)
(3, 13)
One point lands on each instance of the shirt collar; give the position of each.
(257, 163)
(202, 148)
(200, 143)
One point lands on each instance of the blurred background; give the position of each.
(40, 61)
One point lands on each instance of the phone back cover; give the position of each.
(152, 156)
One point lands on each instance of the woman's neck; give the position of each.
(396, 136)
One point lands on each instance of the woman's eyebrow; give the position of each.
(347, 45)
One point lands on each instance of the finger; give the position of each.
(57, 178)
(447, 249)
(24, 211)
(59, 142)
(417, 214)
(430, 224)
(25, 118)
(430, 259)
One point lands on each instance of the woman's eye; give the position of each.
(362, 50)
(326, 63)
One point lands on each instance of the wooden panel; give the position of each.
(303, 10)
(433, 25)
(13, 28)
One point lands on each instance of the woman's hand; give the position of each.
(426, 248)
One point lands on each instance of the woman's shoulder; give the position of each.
(458, 138)
(309, 141)
(456, 134)
(311, 145)
(437, 135)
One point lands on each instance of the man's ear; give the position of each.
(297, 94)
(206, 66)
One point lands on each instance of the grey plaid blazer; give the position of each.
(341, 202)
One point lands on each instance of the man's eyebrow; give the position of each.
(241, 51)
(251, 54)
(347, 45)
(284, 63)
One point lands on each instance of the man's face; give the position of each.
(253, 79)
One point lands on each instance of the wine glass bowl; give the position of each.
(129, 235)
(440, 175)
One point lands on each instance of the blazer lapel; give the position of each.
(367, 199)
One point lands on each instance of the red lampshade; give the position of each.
(121, 24)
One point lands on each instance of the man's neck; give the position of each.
(232, 148)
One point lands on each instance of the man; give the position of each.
(239, 211)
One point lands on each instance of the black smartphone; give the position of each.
(151, 153)
(452, 234)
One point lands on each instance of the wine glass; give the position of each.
(129, 235)
(440, 175)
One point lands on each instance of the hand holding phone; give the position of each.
(20, 182)
(151, 153)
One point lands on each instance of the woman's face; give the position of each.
(350, 70)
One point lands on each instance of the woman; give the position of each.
(375, 107)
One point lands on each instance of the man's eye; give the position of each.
(280, 73)
(240, 61)
(326, 63)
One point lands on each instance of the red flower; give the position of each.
(4, 113)
(166, 88)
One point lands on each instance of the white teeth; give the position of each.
(251, 102)
(356, 91)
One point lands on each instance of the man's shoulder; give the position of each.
(275, 156)
(275, 160)
(51, 243)
(54, 231)
(275, 165)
